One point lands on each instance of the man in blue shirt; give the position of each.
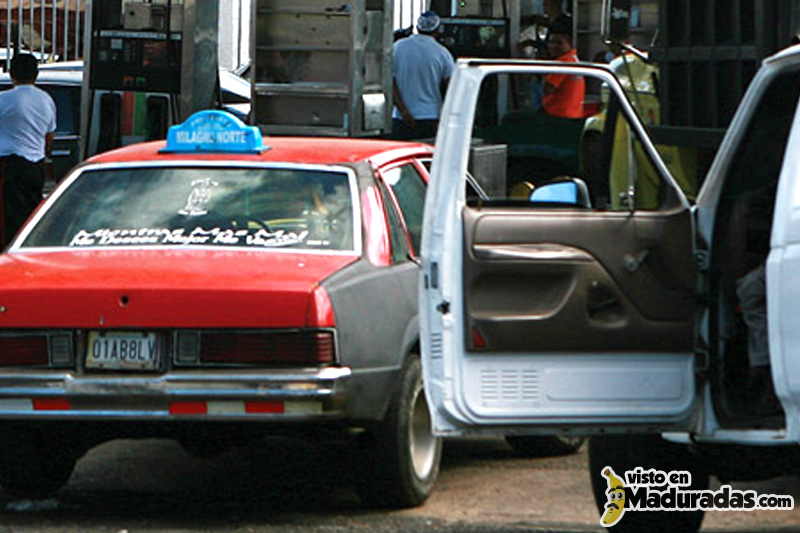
(422, 68)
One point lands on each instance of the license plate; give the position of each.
(112, 350)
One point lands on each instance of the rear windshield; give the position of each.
(183, 206)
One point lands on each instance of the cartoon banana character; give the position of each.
(615, 507)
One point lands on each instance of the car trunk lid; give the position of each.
(162, 289)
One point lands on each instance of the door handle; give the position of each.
(603, 304)
(598, 307)
(633, 262)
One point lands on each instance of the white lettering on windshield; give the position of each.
(277, 238)
(197, 236)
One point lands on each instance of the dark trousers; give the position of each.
(21, 183)
(422, 130)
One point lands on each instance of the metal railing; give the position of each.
(406, 12)
(50, 29)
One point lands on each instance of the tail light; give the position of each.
(294, 347)
(24, 350)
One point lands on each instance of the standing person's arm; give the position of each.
(48, 144)
(49, 172)
(447, 66)
(401, 106)
(443, 85)
(553, 82)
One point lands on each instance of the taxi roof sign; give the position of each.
(214, 131)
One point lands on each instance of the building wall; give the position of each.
(234, 33)
(235, 17)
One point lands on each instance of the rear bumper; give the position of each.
(280, 395)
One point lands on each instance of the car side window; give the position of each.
(474, 192)
(397, 233)
(409, 190)
(589, 143)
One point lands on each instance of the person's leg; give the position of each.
(22, 192)
(751, 290)
(426, 130)
(401, 131)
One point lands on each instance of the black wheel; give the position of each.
(550, 445)
(205, 448)
(623, 453)
(34, 464)
(400, 458)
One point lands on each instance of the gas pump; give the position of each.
(149, 63)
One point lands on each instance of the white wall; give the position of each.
(234, 33)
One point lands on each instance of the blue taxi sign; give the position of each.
(214, 131)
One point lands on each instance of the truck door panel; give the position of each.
(541, 275)
(540, 315)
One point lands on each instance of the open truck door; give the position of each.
(568, 302)
(590, 297)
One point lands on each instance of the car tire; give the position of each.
(34, 464)
(624, 453)
(550, 445)
(399, 459)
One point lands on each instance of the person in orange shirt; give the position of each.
(563, 93)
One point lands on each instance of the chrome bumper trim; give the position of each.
(149, 396)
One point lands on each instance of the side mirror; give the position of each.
(571, 191)
(616, 23)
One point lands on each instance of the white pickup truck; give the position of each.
(596, 299)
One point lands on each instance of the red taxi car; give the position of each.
(215, 287)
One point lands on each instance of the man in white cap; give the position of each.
(422, 68)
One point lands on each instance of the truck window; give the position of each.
(594, 144)
(746, 204)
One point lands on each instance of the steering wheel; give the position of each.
(258, 222)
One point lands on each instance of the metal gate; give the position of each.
(406, 12)
(50, 29)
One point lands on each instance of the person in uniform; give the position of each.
(27, 123)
